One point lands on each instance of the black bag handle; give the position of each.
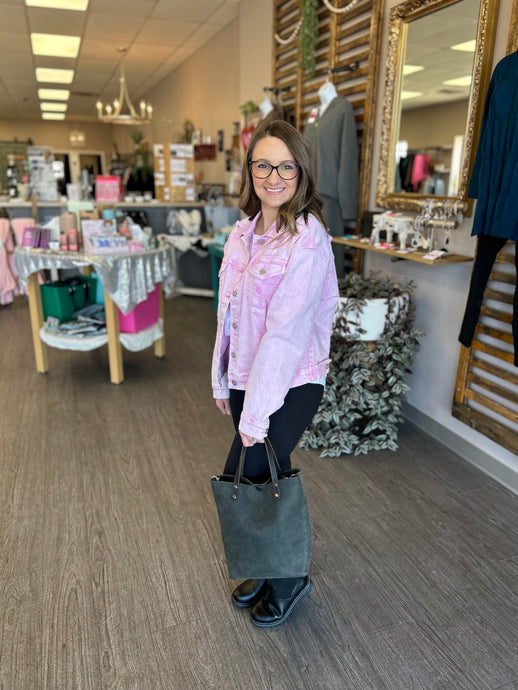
(273, 464)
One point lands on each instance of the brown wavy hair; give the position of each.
(306, 199)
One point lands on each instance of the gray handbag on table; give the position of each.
(265, 527)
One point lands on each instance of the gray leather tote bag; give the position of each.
(265, 527)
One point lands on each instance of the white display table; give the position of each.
(127, 278)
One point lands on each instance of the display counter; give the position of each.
(128, 278)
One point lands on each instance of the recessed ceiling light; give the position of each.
(467, 46)
(55, 45)
(458, 81)
(407, 95)
(54, 94)
(410, 69)
(54, 107)
(80, 5)
(52, 116)
(56, 76)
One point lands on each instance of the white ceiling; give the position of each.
(157, 34)
(428, 45)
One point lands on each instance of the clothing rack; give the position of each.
(344, 68)
(276, 90)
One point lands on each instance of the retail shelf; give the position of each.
(412, 256)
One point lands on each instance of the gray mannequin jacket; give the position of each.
(334, 140)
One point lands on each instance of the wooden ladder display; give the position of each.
(347, 53)
(486, 390)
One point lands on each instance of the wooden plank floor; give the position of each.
(112, 572)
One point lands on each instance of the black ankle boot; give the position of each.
(248, 593)
(279, 600)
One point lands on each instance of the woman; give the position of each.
(277, 297)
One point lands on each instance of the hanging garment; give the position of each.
(420, 170)
(334, 140)
(494, 180)
(435, 186)
(8, 283)
(494, 183)
(18, 225)
(487, 250)
(279, 112)
(405, 172)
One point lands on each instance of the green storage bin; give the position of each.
(96, 289)
(62, 299)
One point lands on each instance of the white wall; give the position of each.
(440, 295)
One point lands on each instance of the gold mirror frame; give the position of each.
(400, 16)
(512, 40)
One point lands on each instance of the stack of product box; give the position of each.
(174, 172)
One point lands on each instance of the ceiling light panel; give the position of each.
(411, 69)
(54, 94)
(467, 46)
(55, 45)
(408, 95)
(80, 5)
(55, 76)
(52, 116)
(458, 81)
(54, 107)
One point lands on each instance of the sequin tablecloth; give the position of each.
(127, 277)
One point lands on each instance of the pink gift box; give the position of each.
(145, 314)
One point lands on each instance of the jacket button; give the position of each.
(234, 293)
(234, 325)
(234, 382)
(262, 271)
(234, 355)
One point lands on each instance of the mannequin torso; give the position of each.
(326, 94)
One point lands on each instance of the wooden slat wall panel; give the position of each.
(344, 39)
(486, 395)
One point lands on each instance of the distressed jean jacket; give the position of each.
(280, 305)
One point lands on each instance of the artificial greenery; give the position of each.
(140, 168)
(366, 382)
(248, 108)
(308, 36)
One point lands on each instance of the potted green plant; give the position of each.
(140, 164)
(364, 305)
(367, 381)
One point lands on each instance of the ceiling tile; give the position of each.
(166, 31)
(15, 43)
(186, 10)
(203, 34)
(224, 15)
(50, 21)
(114, 28)
(142, 8)
(147, 54)
(13, 18)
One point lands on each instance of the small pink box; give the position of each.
(145, 314)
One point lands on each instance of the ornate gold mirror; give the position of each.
(438, 70)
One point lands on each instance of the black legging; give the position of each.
(287, 425)
(488, 247)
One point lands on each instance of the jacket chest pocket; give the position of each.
(266, 274)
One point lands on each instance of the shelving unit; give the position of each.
(412, 256)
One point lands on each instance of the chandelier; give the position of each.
(113, 114)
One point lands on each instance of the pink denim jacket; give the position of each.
(281, 302)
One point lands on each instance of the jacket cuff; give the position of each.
(221, 393)
(252, 428)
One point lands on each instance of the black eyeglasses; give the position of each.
(286, 170)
